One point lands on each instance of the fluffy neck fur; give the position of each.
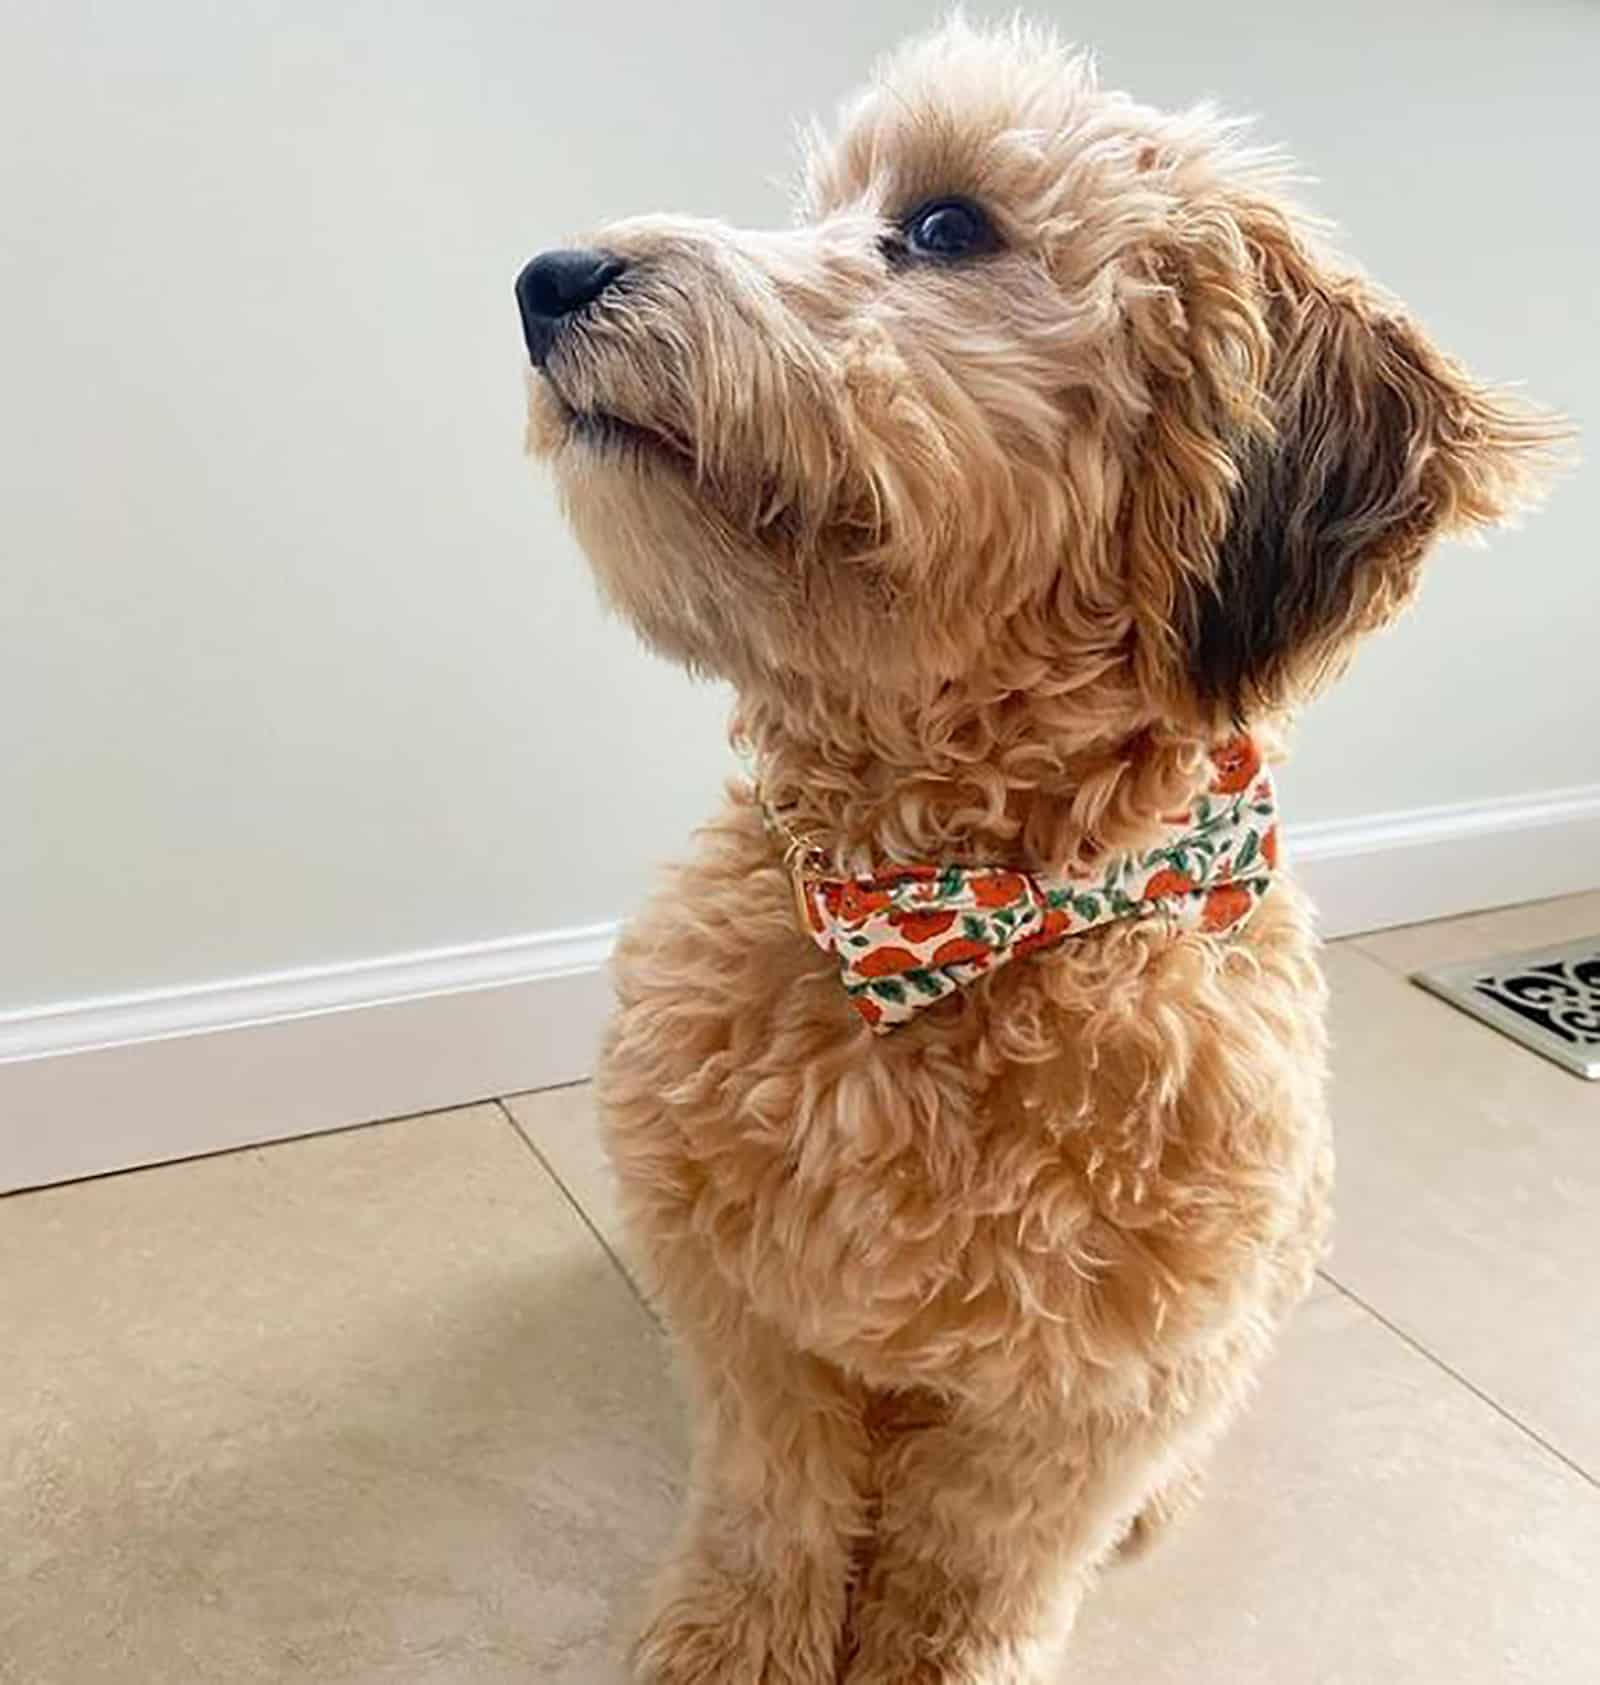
(1009, 770)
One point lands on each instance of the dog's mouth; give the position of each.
(616, 435)
(605, 431)
(754, 506)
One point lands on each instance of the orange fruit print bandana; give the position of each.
(907, 936)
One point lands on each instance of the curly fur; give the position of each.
(992, 553)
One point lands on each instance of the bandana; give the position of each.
(907, 936)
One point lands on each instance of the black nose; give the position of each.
(554, 285)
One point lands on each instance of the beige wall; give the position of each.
(298, 664)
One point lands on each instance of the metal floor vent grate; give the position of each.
(1548, 999)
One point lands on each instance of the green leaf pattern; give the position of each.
(898, 952)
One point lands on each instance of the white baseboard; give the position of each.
(1437, 862)
(97, 1085)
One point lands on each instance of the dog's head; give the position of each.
(1043, 383)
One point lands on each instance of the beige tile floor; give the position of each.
(384, 1406)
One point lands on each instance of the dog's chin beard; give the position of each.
(754, 513)
(608, 434)
(601, 430)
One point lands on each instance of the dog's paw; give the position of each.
(913, 1668)
(941, 1651)
(1163, 1510)
(732, 1635)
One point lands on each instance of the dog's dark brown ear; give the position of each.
(1375, 445)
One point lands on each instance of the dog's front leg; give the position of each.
(756, 1592)
(991, 1525)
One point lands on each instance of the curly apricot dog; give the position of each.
(1019, 491)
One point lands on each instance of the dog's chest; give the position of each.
(1107, 1160)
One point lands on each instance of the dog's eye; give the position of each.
(949, 228)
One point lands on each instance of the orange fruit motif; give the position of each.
(869, 1009)
(999, 889)
(858, 901)
(1224, 907)
(921, 927)
(1236, 763)
(1169, 881)
(962, 951)
(1056, 925)
(907, 874)
(886, 962)
(1269, 848)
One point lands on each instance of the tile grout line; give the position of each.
(1357, 941)
(1357, 945)
(583, 1216)
(268, 1143)
(1461, 1380)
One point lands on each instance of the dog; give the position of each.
(1022, 491)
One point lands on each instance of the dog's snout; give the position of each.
(557, 283)
(554, 285)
